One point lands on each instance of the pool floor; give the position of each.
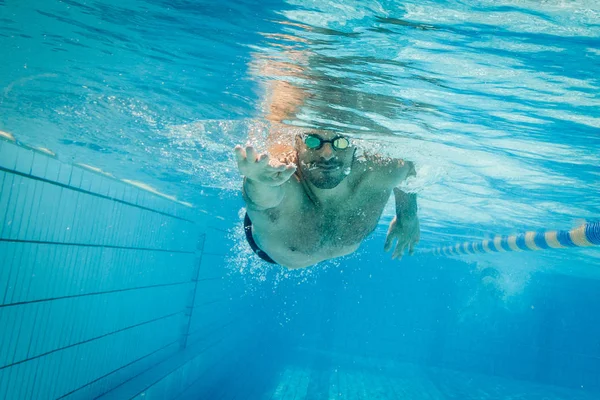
(371, 380)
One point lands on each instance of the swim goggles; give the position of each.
(315, 142)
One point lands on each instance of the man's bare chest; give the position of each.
(308, 227)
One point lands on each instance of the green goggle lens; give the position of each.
(315, 142)
(312, 142)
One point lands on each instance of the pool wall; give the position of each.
(104, 286)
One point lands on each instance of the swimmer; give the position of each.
(321, 202)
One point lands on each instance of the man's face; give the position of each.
(325, 167)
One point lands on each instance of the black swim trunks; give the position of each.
(252, 243)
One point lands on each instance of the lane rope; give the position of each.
(586, 235)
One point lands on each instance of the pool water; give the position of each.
(124, 269)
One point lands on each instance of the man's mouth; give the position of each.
(328, 167)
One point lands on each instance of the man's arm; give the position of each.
(405, 225)
(387, 171)
(406, 204)
(262, 179)
(404, 228)
(394, 172)
(260, 196)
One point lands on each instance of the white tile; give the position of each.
(19, 278)
(40, 163)
(39, 214)
(42, 322)
(76, 177)
(51, 202)
(15, 208)
(81, 227)
(7, 254)
(29, 381)
(36, 198)
(25, 219)
(52, 169)
(13, 318)
(26, 331)
(143, 199)
(129, 193)
(60, 377)
(64, 175)
(116, 230)
(41, 269)
(115, 189)
(71, 204)
(5, 196)
(8, 155)
(105, 184)
(112, 224)
(48, 341)
(46, 366)
(87, 203)
(64, 220)
(17, 373)
(5, 319)
(24, 160)
(98, 184)
(86, 180)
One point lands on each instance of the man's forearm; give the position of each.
(260, 196)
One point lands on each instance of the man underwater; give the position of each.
(324, 201)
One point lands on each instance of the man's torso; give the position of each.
(303, 231)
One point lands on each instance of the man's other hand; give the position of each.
(260, 168)
(408, 233)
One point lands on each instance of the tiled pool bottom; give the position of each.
(372, 381)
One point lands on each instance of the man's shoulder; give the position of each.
(382, 172)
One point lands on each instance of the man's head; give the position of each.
(324, 158)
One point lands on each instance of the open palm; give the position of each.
(260, 168)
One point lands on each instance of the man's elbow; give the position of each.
(399, 173)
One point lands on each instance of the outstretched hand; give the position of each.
(260, 168)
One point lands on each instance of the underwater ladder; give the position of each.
(584, 236)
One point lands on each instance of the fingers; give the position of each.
(263, 159)
(251, 154)
(240, 154)
(389, 240)
(405, 245)
(414, 243)
(400, 247)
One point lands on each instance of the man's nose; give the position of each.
(327, 152)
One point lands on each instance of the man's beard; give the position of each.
(324, 179)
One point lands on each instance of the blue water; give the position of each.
(497, 103)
